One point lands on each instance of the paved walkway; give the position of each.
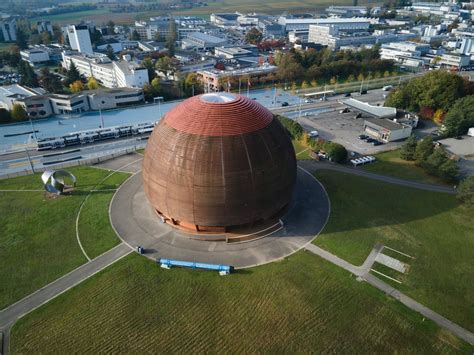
(11, 314)
(363, 273)
(312, 165)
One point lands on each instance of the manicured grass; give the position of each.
(38, 239)
(469, 155)
(302, 152)
(300, 305)
(95, 231)
(389, 163)
(71, 16)
(432, 227)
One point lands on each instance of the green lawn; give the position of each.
(389, 163)
(300, 305)
(38, 239)
(71, 16)
(431, 227)
(302, 152)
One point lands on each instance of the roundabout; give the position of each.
(137, 224)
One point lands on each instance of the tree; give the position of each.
(135, 36)
(148, 65)
(171, 37)
(407, 151)
(434, 161)
(73, 74)
(155, 83)
(18, 113)
(92, 84)
(253, 36)
(438, 116)
(76, 86)
(110, 27)
(424, 149)
(166, 65)
(336, 152)
(28, 75)
(314, 83)
(50, 82)
(360, 77)
(192, 84)
(465, 192)
(110, 52)
(304, 85)
(350, 78)
(448, 171)
(386, 74)
(460, 117)
(46, 37)
(21, 38)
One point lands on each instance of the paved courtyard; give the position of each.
(137, 224)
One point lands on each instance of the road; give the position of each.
(18, 161)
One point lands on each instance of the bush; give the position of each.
(424, 149)
(294, 128)
(18, 113)
(336, 152)
(466, 191)
(407, 151)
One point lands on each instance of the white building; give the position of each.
(80, 38)
(454, 60)
(109, 74)
(355, 23)
(335, 36)
(44, 26)
(35, 55)
(467, 46)
(8, 29)
(203, 41)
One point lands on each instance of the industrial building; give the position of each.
(8, 29)
(202, 41)
(217, 162)
(387, 130)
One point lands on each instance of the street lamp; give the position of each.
(32, 126)
(101, 117)
(159, 98)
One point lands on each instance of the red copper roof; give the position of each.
(218, 114)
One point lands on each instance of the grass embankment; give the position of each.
(302, 151)
(432, 227)
(72, 16)
(38, 238)
(389, 163)
(301, 304)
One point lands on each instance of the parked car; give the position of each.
(308, 101)
(344, 110)
(359, 115)
(387, 88)
(313, 134)
(347, 94)
(284, 104)
(363, 92)
(376, 142)
(363, 136)
(370, 140)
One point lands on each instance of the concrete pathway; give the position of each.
(312, 165)
(12, 313)
(363, 273)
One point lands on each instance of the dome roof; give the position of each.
(219, 161)
(218, 114)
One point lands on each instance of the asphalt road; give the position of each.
(18, 161)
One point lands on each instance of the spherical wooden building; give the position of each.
(217, 162)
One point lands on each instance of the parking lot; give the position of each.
(343, 128)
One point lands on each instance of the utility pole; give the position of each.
(274, 95)
(361, 83)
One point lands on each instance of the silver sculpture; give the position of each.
(53, 180)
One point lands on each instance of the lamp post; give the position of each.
(100, 115)
(159, 98)
(32, 127)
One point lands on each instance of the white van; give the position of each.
(470, 132)
(387, 88)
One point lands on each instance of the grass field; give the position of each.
(389, 163)
(431, 227)
(38, 239)
(301, 151)
(73, 17)
(302, 304)
(269, 6)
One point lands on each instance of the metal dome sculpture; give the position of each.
(53, 181)
(219, 161)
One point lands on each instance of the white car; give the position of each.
(313, 134)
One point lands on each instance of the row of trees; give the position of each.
(432, 158)
(324, 64)
(434, 95)
(17, 114)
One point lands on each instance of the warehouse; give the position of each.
(386, 130)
